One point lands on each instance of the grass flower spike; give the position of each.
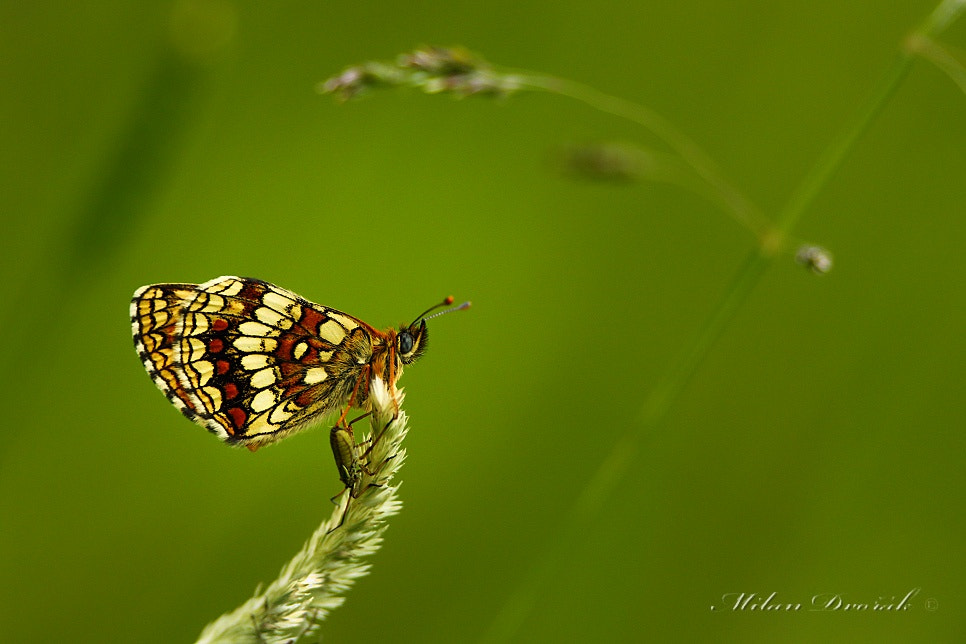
(292, 607)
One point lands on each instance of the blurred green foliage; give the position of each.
(818, 450)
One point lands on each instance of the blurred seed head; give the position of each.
(619, 162)
(603, 161)
(442, 61)
(815, 258)
(434, 70)
(359, 79)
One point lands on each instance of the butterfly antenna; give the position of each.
(447, 302)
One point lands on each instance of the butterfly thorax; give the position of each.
(367, 354)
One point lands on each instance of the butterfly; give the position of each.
(253, 363)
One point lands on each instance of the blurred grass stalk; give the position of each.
(150, 145)
(457, 71)
(146, 150)
(658, 402)
(313, 583)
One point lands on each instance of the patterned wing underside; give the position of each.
(247, 360)
(155, 310)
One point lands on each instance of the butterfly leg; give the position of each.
(363, 378)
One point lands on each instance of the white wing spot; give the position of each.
(204, 371)
(159, 319)
(195, 324)
(273, 318)
(255, 361)
(226, 284)
(207, 302)
(253, 328)
(263, 378)
(191, 349)
(214, 395)
(347, 322)
(248, 344)
(332, 331)
(279, 416)
(279, 302)
(263, 400)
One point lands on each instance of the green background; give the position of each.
(818, 449)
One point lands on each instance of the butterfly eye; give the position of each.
(405, 342)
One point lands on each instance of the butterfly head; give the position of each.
(412, 340)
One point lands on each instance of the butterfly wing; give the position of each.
(248, 360)
(155, 311)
